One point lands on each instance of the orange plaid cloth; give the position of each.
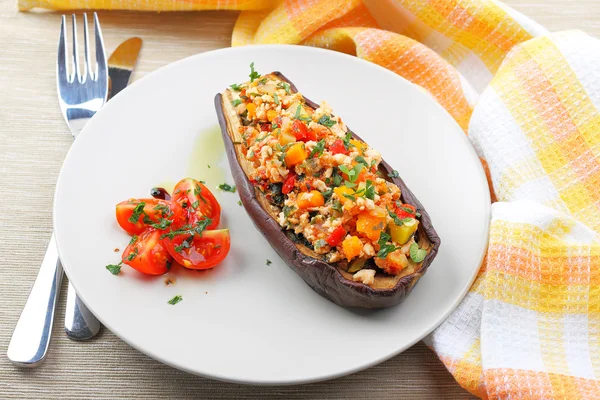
(529, 328)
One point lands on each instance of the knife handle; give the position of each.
(80, 323)
(31, 337)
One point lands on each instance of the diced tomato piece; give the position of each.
(338, 147)
(289, 184)
(336, 236)
(302, 133)
(406, 211)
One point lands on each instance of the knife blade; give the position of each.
(121, 63)
(80, 323)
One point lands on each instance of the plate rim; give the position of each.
(318, 51)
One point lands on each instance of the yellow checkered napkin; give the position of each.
(530, 326)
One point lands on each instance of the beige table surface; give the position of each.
(33, 142)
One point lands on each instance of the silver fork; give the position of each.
(81, 95)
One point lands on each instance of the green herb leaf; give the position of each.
(134, 239)
(386, 249)
(175, 300)
(327, 194)
(347, 139)
(349, 197)
(133, 254)
(227, 188)
(269, 262)
(394, 174)
(137, 213)
(337, 206)
(236, 87)
(276, 98)
(195, 204)
(164, 210)
(263, 81)
(285, 86)
(326, 120)
(184, 245)
(383, 238)
(236, 102)
(337, 180)
(417, 254)
(370, 190)
(162, 224)
(253, 74)
(114, 268)
(239, 203)
(362, 160)
(318, 149)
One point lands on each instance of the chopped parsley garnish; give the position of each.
(362, 160)
(285, 86)
(326, 120)
(269, 262)
(263, 81)
(162, 224)
(349, 184)
(134, 239)
(276, 98)
(253, 74)
(407, 209)
(337, 180)
(352, 173)
(236, 87)
(227, 188)
(239, 202)
(275, 126)
(370, 190)
(337, 206)
(394, 174)
(350, 197)
(184, 245)
(164, 210)
(236, 102)
(208, 165)
(175, 300)
(114, 268)
(195, 204)
(347, 139)
(318, 149)
(137, 213)
(327, 194)
(417, 254)
(133, 255)
(189, 229)
(298, 114)
(384, 247)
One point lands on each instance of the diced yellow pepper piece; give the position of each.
(341, 191)
(402, 234)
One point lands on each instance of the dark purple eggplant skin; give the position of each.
(322, 277)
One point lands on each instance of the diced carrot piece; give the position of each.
(352, 247)
(341, 191)
(371, 223)
(314, 198)
(295, 155)
(251, 107)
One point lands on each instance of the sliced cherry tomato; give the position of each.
(198, 201)
(135, 218)
(289, 184)
(336, 236)
(301, 132)
(406, 211)
(338, 147)
(199, 252)
(147, 253)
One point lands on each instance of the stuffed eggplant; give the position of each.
(337, 213)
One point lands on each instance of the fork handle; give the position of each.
(80, 323)
(31, 337)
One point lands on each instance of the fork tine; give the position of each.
(87, 63)
(102, 70)
(75, 51)
(62, 73)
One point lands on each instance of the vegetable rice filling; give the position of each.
(327, 184)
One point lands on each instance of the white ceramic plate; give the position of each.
(246, 321)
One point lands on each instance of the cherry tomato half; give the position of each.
(147, 253)
(198, 201)
(199, 252)
(135, 218)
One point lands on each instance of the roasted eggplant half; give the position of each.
(332, 209)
